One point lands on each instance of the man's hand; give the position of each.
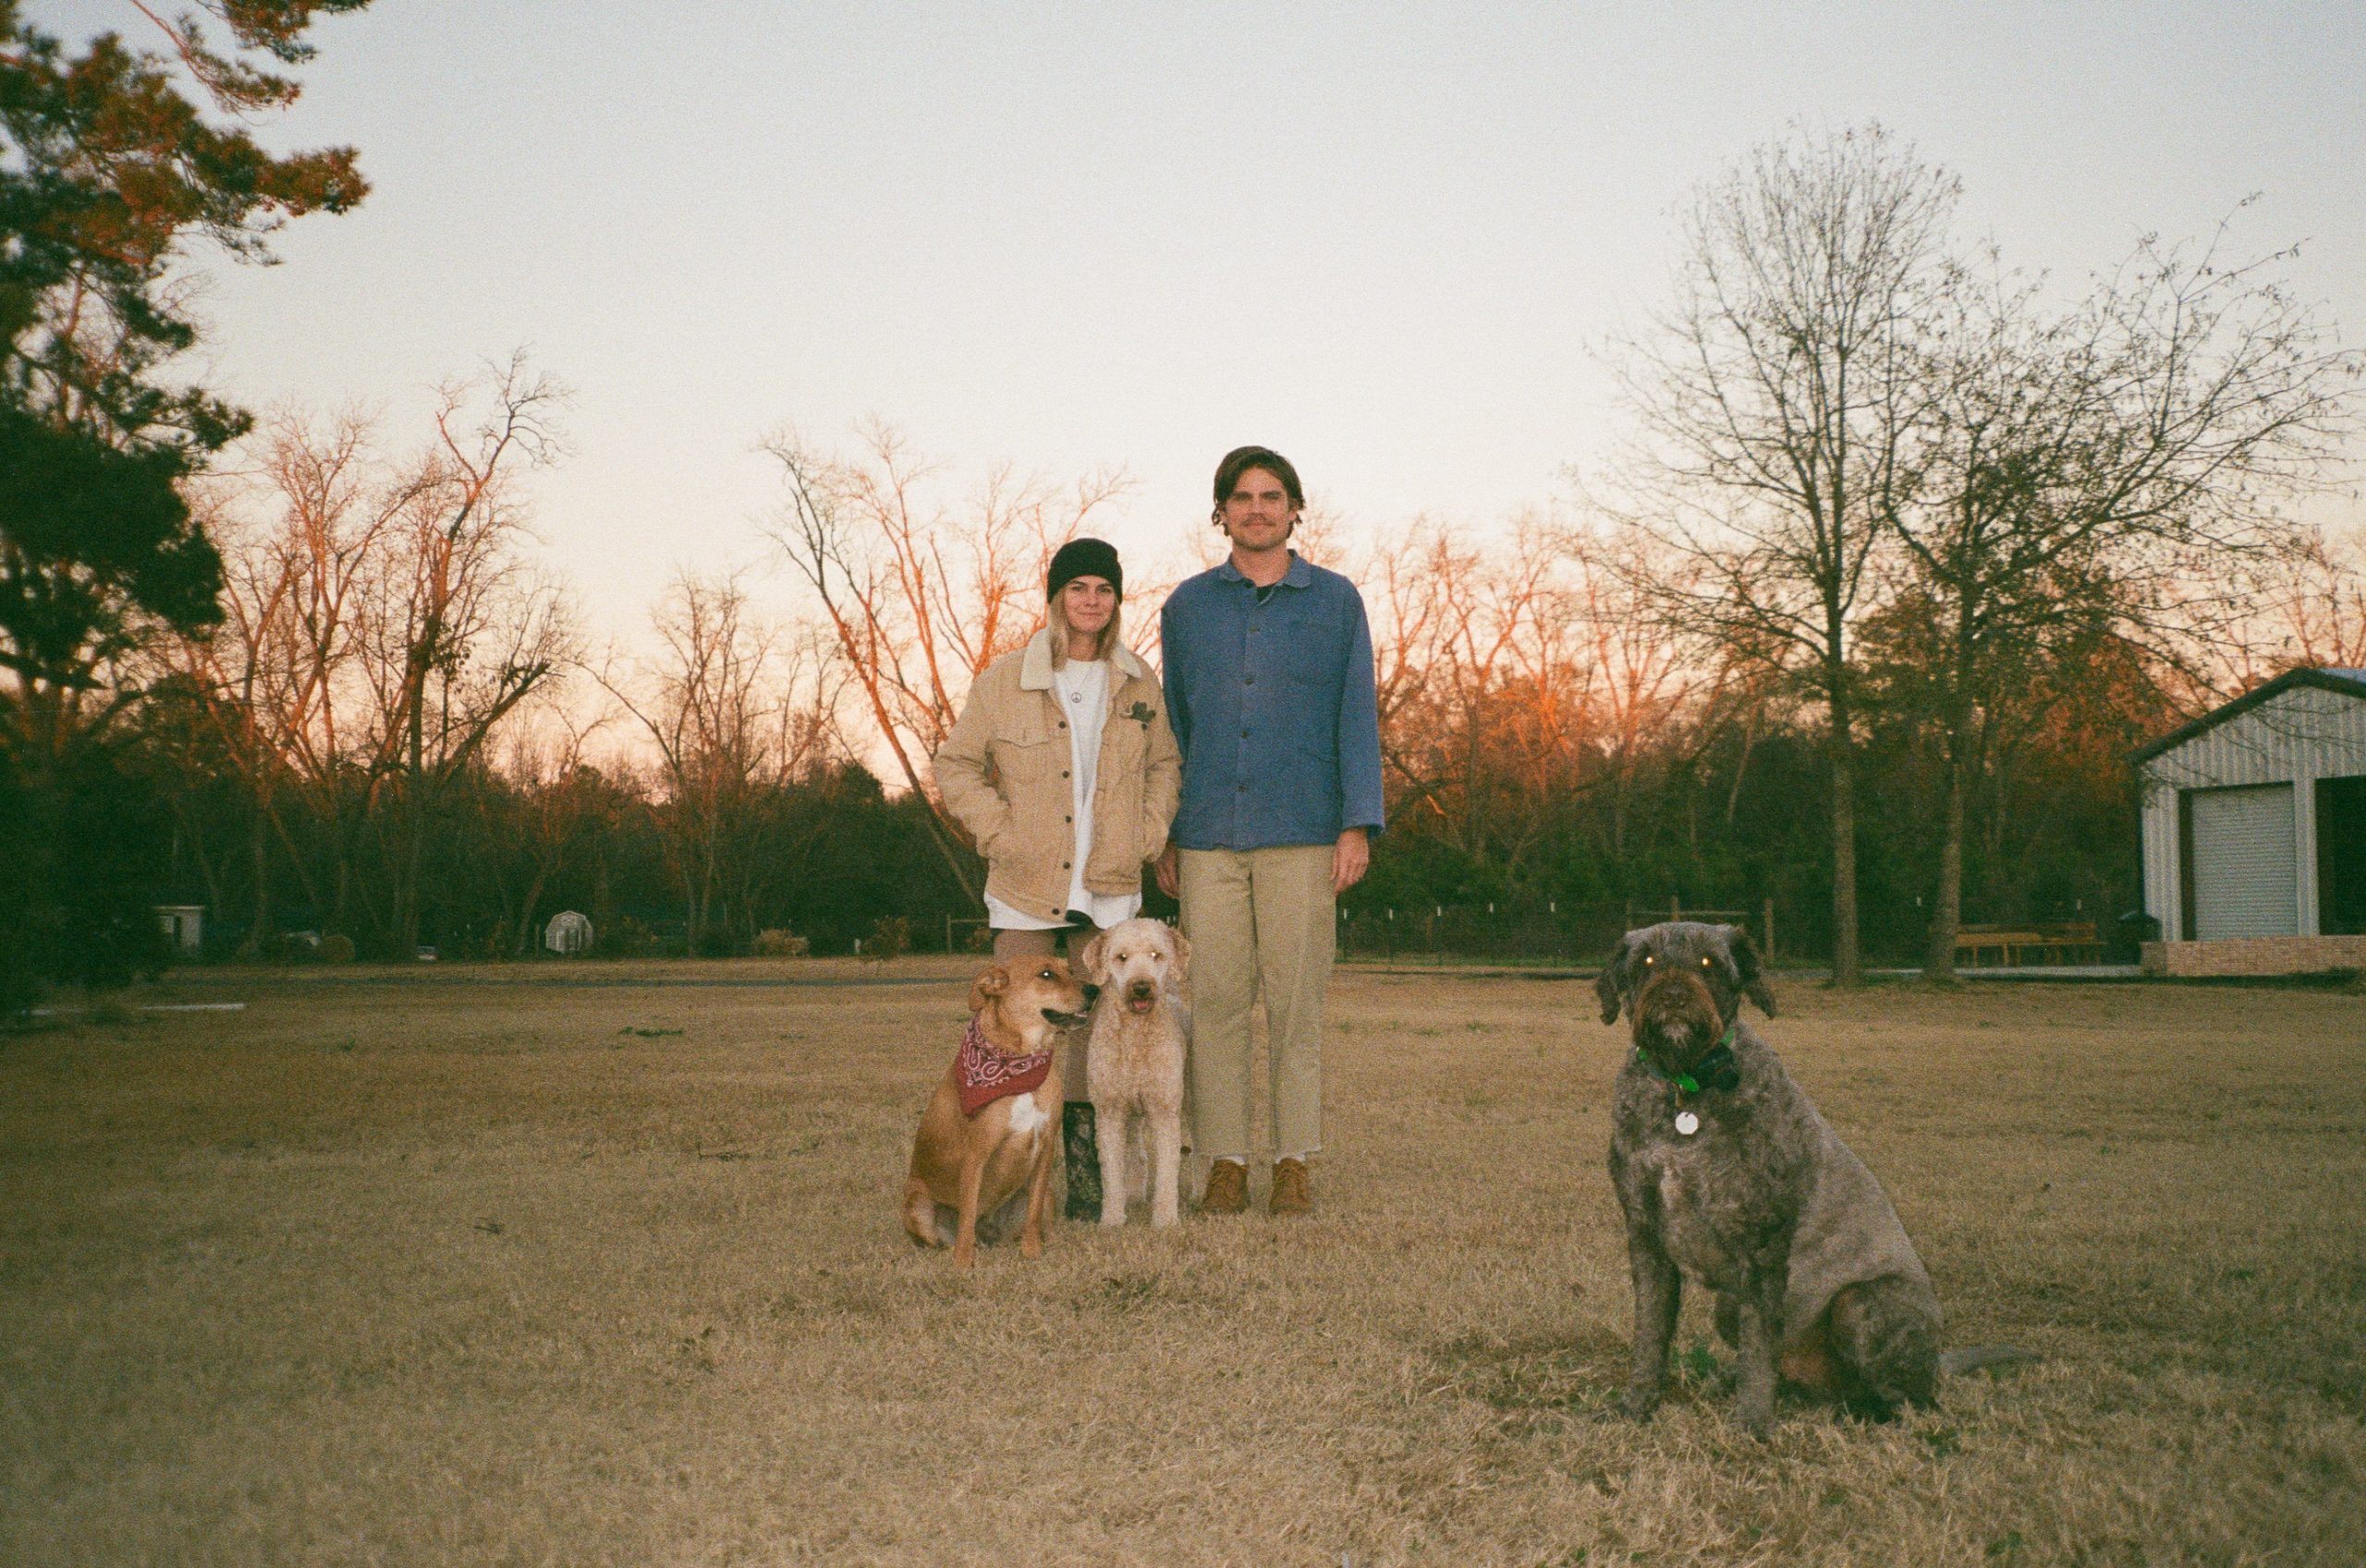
(1351, 858)
(1170, 880)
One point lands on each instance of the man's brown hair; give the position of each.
(1240, 459)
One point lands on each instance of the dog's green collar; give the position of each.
(1715, 1070)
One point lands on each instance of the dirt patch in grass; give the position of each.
(474, 1270)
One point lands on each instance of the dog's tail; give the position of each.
(1984, 1359)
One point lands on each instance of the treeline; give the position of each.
(398, 738)
(1550, 747)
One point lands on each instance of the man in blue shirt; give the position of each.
(1269, 691)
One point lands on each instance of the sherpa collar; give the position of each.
(1035, 665)
(987, 1076)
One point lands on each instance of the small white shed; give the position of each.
(2254, 829)
(184, 925)
(569, 931)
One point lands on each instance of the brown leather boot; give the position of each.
(1292, 1193)
(1228, 1188)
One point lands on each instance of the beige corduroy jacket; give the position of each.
(1004, 773)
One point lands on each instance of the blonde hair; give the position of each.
(1056, 618)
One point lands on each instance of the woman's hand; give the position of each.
(1170, 880)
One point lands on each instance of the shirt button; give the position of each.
(1244, 734)
(1248, 680)
(1063, 772)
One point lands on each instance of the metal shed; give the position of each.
(2254, 831)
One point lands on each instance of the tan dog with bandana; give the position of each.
(985, 1141)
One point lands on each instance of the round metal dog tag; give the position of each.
(1687, 1122)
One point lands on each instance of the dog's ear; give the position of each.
(1094, 960)
(988, 986)
(1182, 956)
(1746, 964)
(1610, 986)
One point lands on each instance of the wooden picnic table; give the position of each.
(2011, 945)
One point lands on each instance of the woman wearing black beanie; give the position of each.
(1063, 769)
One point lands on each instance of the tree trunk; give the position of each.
(259, 848)
(1846, 968)
(525, 946)
(1741, 765)
(1946, 915)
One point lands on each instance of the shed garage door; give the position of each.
(2245, 871)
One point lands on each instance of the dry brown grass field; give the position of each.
(471, 1268)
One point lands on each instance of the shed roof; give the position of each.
(2349, 683)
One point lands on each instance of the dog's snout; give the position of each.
(1141, 988)
(1675, 990)
(1091, 991)
(1678, 1007)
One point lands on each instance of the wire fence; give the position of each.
(1547, 934)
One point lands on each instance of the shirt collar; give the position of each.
(1300, 574)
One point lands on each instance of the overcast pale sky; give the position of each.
(1381, 238)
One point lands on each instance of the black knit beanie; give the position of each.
(1085, 558)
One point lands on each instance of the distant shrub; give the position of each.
(336, 949)
(891, 937)
(717, 941)
(628, 937)
(778, 942)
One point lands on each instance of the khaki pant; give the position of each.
(1259, 920)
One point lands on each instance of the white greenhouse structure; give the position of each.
(2255, 826)
(569, 932)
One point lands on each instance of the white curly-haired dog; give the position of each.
(1134, 1070)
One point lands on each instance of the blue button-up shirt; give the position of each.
(1275, 705)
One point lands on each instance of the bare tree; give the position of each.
(1482, 695)
(736, 711)
(919, 596)
(561, 807)
(2317, 614)
(1780, 401)
(461, 629)
(279, 682)
(381, 624)
(2115, 468)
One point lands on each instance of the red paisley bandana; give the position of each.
(986, 1074)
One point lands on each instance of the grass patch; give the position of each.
(468, 1270)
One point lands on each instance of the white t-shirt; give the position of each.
(1082, 686)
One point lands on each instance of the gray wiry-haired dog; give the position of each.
(1727, 1174)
